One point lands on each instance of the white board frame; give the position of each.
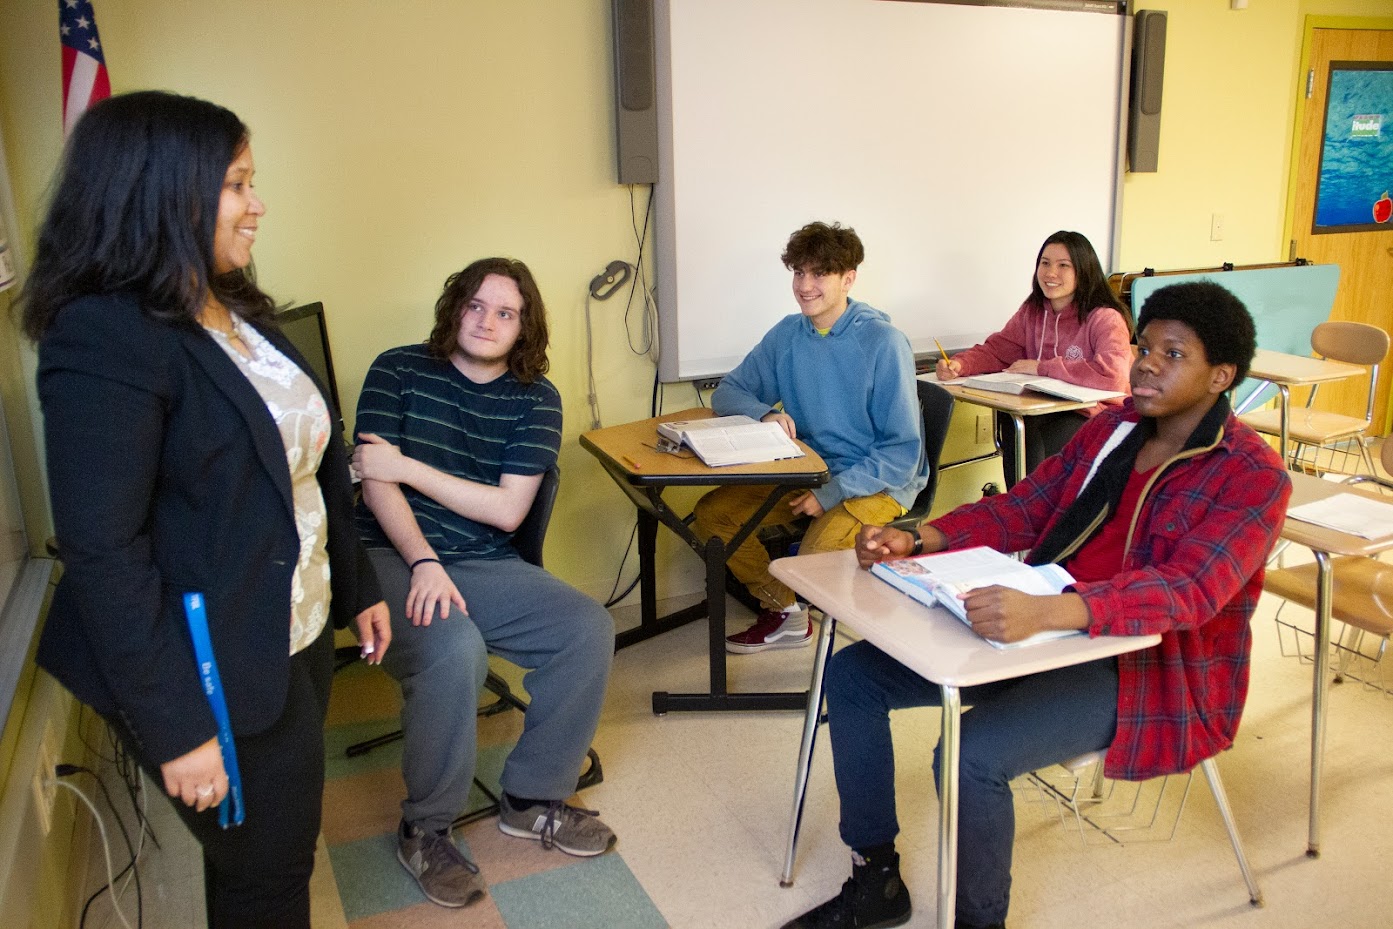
(773, 113)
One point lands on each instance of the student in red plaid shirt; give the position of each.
(1164, 511)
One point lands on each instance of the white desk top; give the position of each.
(1026, 404)
(1304, 489)
(930, 641)
(1295, 370)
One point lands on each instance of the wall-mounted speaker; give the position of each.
(635, 99)
(1148, 73)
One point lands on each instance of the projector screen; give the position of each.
(953, 138)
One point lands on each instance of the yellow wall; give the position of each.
(1226, 126)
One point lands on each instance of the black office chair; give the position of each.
(527, 542)
(936, 408)
(935, 411)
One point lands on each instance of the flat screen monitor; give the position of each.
(306, 329)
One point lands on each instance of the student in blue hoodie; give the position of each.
(840, 377)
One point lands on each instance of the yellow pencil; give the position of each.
(940, 349)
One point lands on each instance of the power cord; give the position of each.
(64, 770)
(649, 313)
(613, 599)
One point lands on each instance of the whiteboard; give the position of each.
(954, 139)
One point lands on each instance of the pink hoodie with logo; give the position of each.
(1095, 353)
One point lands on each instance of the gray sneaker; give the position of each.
(445, 876)
(557, 825)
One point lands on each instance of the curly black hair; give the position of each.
(1218, 318)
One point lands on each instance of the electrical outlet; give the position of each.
(984, 428)
(45, 793)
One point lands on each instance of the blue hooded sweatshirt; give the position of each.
(852, 397)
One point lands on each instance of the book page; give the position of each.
(1352, 513)
(743, 444)
(942, 577)
(678, 429)
(970, 568)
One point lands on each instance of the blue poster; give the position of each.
(1356, 162)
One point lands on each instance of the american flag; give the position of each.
(85, 79)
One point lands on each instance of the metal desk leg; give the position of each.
(647, 569)
(1319, 690)
(948, 808)
(1284, 417)
(716, 613)
(1018, 421)
(805, 752)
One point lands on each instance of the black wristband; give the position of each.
(420, 561)
(918, 548)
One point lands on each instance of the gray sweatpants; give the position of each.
(518, 611)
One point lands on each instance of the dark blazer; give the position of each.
(168, 475)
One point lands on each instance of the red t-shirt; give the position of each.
(1101, 556)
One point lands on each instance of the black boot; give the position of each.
(874, 898)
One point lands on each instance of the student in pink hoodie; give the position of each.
(1072, 328)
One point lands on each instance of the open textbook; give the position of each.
(938, 579)
(1007, 383)
(731, 440)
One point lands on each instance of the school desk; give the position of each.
(1016, 406)
(629, 455)
(934, 644)
(1324, 543)
(1288, 371)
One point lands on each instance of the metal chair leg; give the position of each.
(1221, 800)
(825, 640)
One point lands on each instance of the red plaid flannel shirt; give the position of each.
(1193, 573)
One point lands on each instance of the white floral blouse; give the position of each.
(302, 417)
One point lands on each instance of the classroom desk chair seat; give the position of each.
(1362, 599)
(1312, 430)
(1089, 768)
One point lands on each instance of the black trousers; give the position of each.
(1045, 435)
(257, 875)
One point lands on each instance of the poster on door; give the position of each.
(1356, 159)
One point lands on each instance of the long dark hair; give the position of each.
(1091, 289)
(134, 211)
(528, 358)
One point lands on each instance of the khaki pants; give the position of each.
(724, 510)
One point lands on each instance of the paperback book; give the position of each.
(1006, 383)
(941, 578)
(730, 440)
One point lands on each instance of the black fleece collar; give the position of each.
(1097, 503)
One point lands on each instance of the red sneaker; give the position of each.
(773, 629)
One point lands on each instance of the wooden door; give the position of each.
(1365, 258)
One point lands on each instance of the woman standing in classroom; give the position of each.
(191, 451)
(1071, 328)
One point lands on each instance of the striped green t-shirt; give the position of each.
(479, 432)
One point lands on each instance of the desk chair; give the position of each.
(527, 542)
(1089, 768)
(1313, 430)
(1362, 589)
(935, 411)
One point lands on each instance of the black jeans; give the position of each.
(257, 875)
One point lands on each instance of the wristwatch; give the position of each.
(918, 548)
